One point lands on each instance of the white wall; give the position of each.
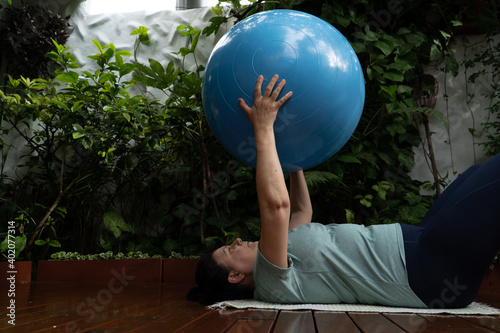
(457, 149)
(164, 37)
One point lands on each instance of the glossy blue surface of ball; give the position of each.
(319, 66)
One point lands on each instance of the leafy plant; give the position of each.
(92, 146)
(101, 256)
(26, 33)
(74, 128)
(489, 58)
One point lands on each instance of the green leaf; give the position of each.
(108, 54)
(123, 53)
(54, 243)
(436, 53)
(146, 70)
(156, 66)
(105, 241)
(315, 177)
(19, 244)
(451, 65)
(170, 245)
(195, 41)
(385, 47)
(108, 76)
(416, 38)
(140, 31)
(349, 215)
(394, 76)
(14, 83)
(126, 115)
(115, 223)
(54, 56)
(40, 242)
(445, 34)
(365, 203)
(70, 77)
(126, 69)
(254, 226)
(348, 159)
(79, 131)
(77, 106)
(61, 104)
(403, 31)
(97, 44)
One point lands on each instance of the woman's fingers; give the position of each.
(284, 98)
(278, 90)
(258, 87)
(244, 106)
(270, 86)
(269, 98)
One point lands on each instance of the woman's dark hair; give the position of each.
(213, 285)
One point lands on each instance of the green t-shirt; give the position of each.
(339, 263)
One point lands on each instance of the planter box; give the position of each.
(179, 270)
(22, 273)
(101, 271)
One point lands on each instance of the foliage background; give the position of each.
(109, 169)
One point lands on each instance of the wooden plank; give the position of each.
(173, 311)
(214, 322)
(69, 320)
(338, 322)
(490, 322)
(255, 321)
(85, 306)
(456, 324)
(295, 322)
(150, 308)
(413, 323)
(374, 323)
(170, 315)
(489, 301)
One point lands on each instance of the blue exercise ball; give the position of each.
(319, 66)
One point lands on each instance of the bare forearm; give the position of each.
(301, 207)
(271, 188)
(299, 193)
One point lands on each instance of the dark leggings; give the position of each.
(448, 255)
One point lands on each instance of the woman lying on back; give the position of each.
(439, 264)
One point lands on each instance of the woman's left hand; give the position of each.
(265, 106)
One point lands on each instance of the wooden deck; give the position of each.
(115, 307)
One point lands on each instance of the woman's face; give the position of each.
(239, 256)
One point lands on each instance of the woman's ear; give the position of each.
(235, 277)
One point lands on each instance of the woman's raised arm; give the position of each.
(301, 207)
(272, 193)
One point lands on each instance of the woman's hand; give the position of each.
(265, 107)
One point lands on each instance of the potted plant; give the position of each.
(132, 267)
(70, 267)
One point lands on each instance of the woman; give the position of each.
(439, 264)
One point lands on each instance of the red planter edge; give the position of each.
(154, 271)
(20, 272)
